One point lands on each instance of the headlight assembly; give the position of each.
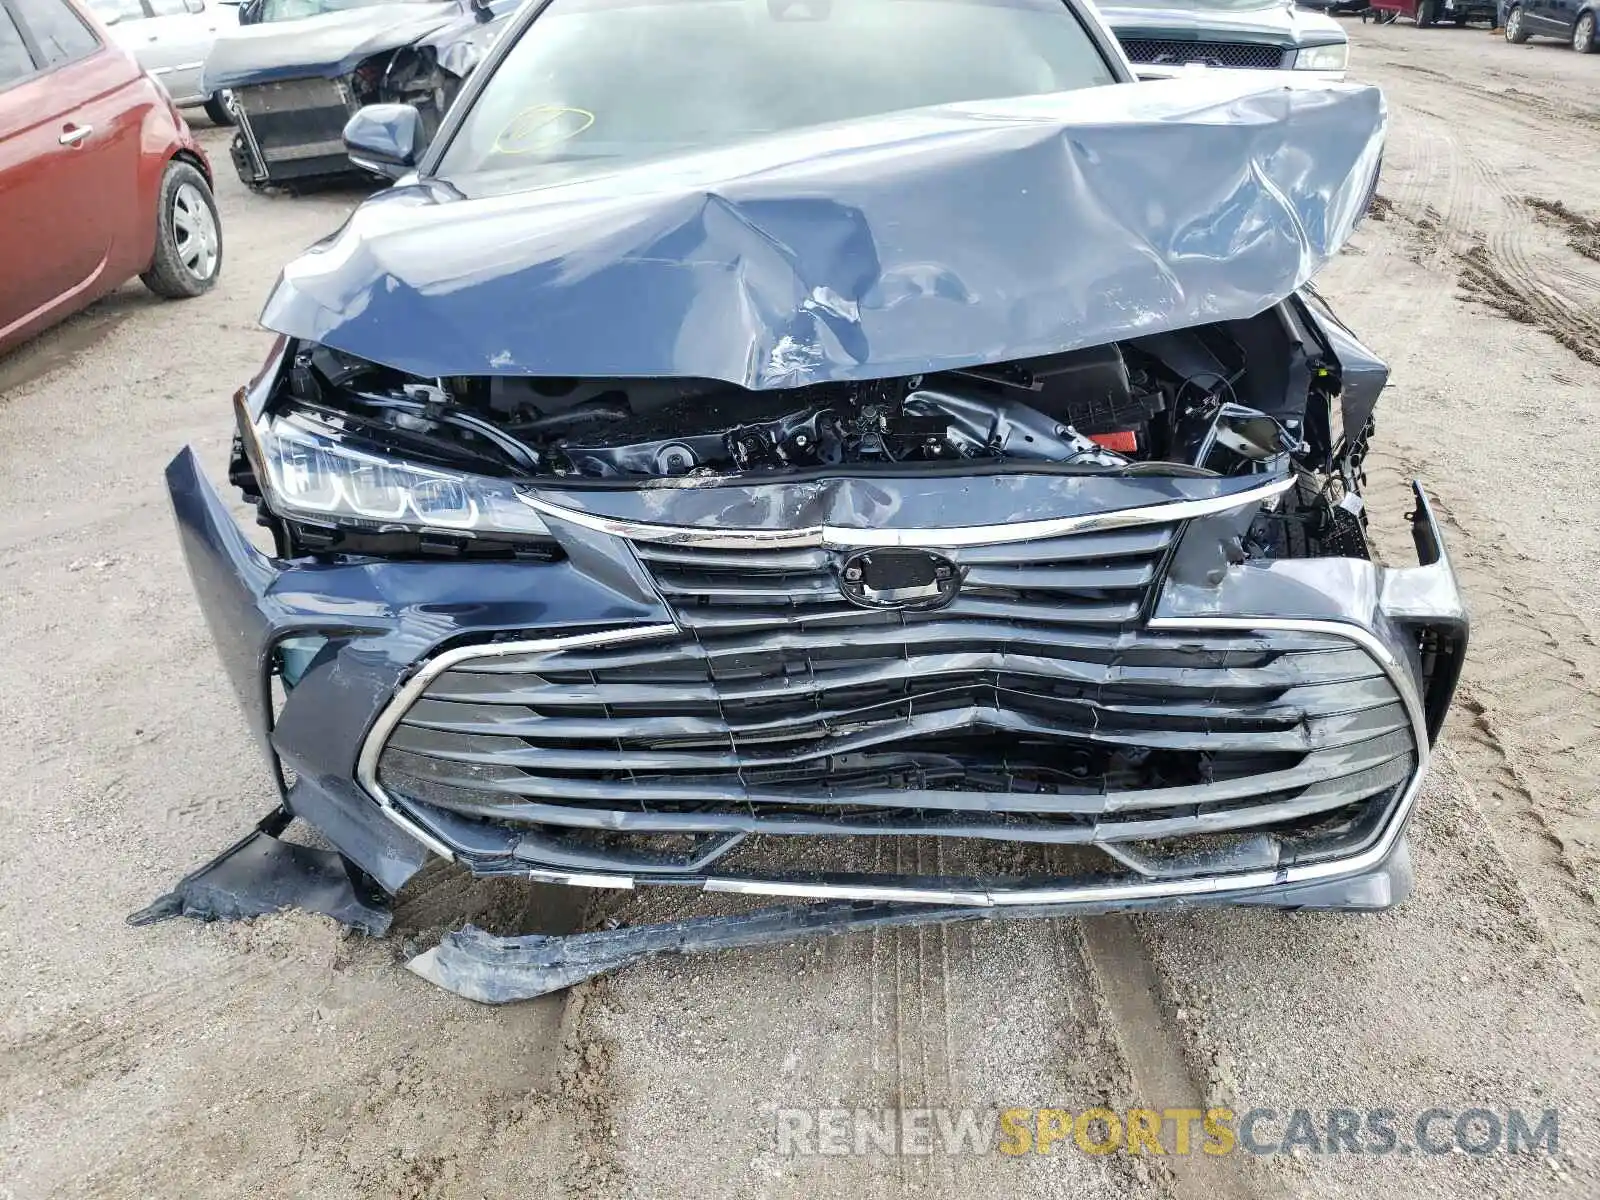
(1323, 58)
(313, 472)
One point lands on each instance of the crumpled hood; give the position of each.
(1278, 24)
(924, 240)
(324, 46)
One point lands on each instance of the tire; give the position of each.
(1515, 33)
(217, 109)
(1583, 34)
(1424, 16)
(188, 255)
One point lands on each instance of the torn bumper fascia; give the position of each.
(261, 873)
(376, 622)
(499, 970)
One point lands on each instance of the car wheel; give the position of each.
(217, 109)
(1583, 34)
(1515, 34)
(188, 235)
(1424, 14)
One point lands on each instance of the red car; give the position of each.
(100, 178)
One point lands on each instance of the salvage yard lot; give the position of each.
(283, 1056)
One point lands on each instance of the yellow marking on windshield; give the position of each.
(540, 127)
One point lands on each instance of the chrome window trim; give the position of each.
(1365, 860)
(840, 537)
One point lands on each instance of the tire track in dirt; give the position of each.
(1583, 233)
(1497, 273)
(909, 1028)
(1161, 1075)
(70, 1054)
(1498, 263)
(1495, 269)
(585, 1091)
(1493, 99)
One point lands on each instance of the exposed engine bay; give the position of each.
(1236, 398)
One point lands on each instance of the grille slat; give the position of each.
(1057, 579)
(776, 589)
(743, 561)
(671, 743)
(1188, 698)
(930, 631)
(1146, 542)
(1058, 827)
(721, 618)
(1176, 52)
(492, 773)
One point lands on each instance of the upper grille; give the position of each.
(1100, 580)
(1251, 55)
(1036, 701)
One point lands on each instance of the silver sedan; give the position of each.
(171, 38)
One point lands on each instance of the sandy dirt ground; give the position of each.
(285, 1057)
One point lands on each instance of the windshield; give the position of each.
(294, 10)
(618, 80)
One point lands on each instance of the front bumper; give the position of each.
(1150, 72)
(366, 638)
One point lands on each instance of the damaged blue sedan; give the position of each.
(903, 472)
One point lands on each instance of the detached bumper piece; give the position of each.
(500, 970)
(262, 874)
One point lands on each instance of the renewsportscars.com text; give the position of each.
(1021, 1131)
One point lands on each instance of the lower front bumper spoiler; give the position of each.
(499, 970)
(261, 873)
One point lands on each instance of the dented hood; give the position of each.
(325, 46)
(923, 240)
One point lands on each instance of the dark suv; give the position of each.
(1573, 21)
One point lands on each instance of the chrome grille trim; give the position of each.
(839, 537)
(367, 764)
